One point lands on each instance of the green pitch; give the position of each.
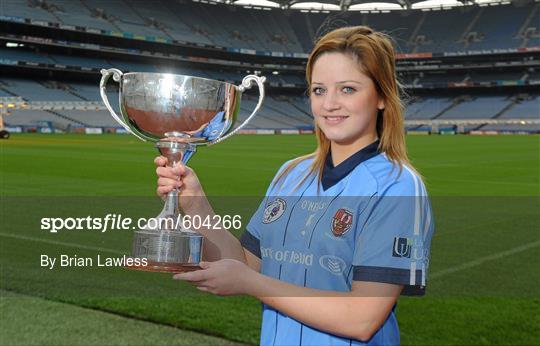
(484, 273)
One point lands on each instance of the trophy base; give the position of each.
(164, 267)
(168, 249)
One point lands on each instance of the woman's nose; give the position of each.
(330, 102)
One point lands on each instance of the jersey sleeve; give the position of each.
(394, 243)
(251, 238)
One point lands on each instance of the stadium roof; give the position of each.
(359, 4)
(344, 4)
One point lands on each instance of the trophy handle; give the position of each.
(247, 83)
(117, 76)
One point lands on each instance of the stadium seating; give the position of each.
(34, 118)
(493, 33)
(23, 55)
(473, 27)
(34, 91)
(477, 108)
(524, 108)
(498, 76)
(23, 9)
(92, 118)
(433, 77)
(430, 37)
(79, 14)
(69, 60)
(442, 77)
(427, 108)
(3, 93)
(86, 91)
(278, 112)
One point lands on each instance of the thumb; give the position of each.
(160, 161)
(204, 265)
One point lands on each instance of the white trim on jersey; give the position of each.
(420, 200)
(417, 197)
(418, 210)
(424, 273)
(427, 224)
(412, 279)
(425, 200)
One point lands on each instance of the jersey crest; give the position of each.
(341, 222)
(274, 210)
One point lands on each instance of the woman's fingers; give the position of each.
(163, 190)
(169, 182)
(194, 276)
(171, 172)
(204, 264)
(169, 177)
(166, 185)
(160, 161)
(167, 172)
(179, 169)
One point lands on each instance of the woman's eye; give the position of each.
(318, 91)
(348, 90)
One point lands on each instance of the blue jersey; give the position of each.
(366, 221)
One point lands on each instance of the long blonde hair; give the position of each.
(375, 54)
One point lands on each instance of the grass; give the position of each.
(484, 268)
(66, 324)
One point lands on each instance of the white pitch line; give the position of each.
(482, 260)
(61, 243)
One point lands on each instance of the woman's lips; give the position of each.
(334, 119)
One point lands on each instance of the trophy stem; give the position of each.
(175, 151)
(170, 209)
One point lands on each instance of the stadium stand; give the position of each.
(429, 37)
(427, 108)
(79, 61)
(37, 91)
(33, 118)
(524, 106)
(477, 108)
(490, 34)
(505, 86)
(77, 13)
(473, 27)
(26, 10)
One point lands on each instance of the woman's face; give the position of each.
(344, 100)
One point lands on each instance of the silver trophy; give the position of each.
(179, 113)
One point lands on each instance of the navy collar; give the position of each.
(332, 175)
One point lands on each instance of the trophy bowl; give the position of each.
(178, 113)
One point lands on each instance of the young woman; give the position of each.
(342, 232)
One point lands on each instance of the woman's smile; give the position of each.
(334, 119)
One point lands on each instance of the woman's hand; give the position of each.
(225, 277)
(181, 177)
